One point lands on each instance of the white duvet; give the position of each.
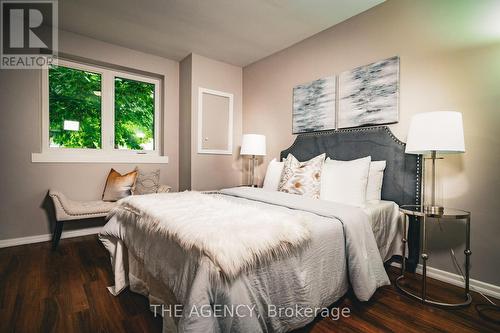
(342, 250)
(201, 223)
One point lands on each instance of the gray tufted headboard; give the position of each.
(402, 174)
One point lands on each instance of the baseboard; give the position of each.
(456, 280)
(48, 237)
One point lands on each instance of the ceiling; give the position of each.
(234, 31)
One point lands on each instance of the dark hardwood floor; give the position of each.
(65, 291)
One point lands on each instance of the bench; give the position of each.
(67, 210)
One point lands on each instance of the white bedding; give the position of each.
(194, 221)
(387, 228)
(314, 278)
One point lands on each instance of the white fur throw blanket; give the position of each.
(235, 237)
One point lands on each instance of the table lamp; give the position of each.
(254, 145)
(433, 133)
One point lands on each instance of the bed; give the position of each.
(293, 253)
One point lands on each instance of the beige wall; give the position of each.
(185, 83)
(439, 71)
(209, 171)
(25, 184)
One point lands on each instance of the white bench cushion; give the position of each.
(67, 209)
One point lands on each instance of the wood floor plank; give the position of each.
(50, 315)
(65, 291)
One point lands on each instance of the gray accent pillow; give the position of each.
(147, 182)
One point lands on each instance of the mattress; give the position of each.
(314, 278)
(168, 275)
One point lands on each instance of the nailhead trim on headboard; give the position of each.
(373, 128)
(404, 186)
(417, 181)
(361, 129)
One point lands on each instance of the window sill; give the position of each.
(100, 158)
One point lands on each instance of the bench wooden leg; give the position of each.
(57, 234)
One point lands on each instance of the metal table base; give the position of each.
(423, 298)
(467, 302)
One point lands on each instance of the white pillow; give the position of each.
(375, 179)
(345, 181)
(273, 175)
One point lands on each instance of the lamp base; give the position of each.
(435, 210)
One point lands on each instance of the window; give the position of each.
(95, 114)
(74, 108)
(134, 114)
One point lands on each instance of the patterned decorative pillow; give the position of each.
(118, 186)
(302, 178)
(147, 182)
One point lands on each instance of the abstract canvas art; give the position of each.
(314, 106)
(369, 95)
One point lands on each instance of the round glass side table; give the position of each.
(422, 216)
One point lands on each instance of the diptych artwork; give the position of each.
(369, 95)
(314, 106)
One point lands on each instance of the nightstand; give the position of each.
(421, 216)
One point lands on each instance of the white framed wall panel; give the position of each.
(228, 149)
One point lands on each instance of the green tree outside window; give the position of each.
(134, 114)
(74, 95)
(75, 104)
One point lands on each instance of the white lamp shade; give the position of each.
(253, 144)
(440, 131)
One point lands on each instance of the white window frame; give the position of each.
(229, 148)
(107, 153)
